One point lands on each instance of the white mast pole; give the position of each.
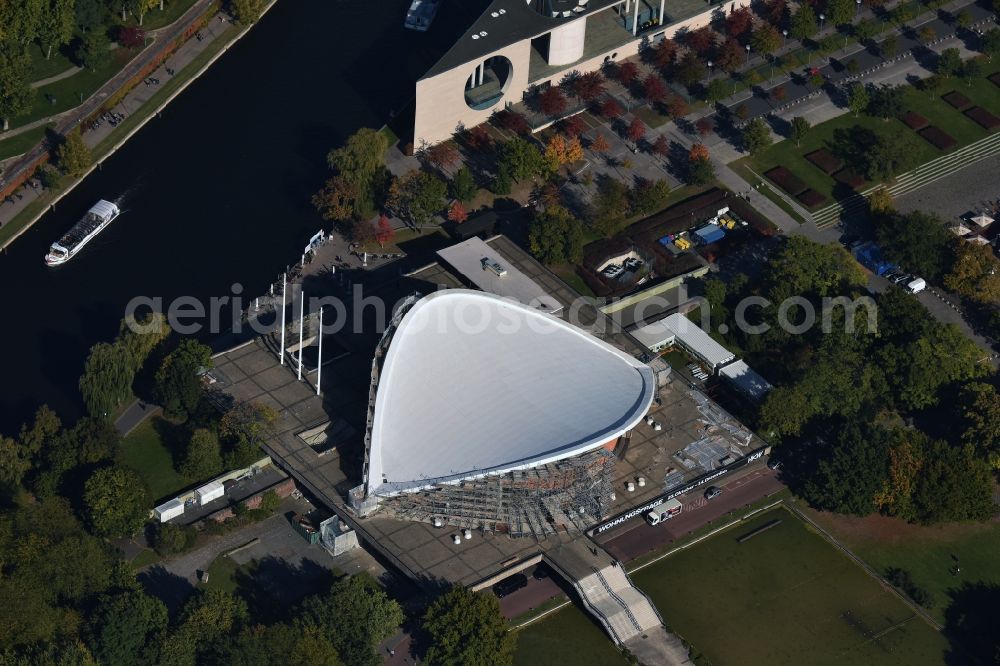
(302, 324)
(281, 352)
(319, 368)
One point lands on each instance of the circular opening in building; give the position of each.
(488, 83)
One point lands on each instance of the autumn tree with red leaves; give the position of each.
(663, 54)
(778, 93)
(478, 139)
(131, 37)
(701, 40)
(600, 144)
(512, 121)
(441, 155)
(676, 106)
(654, 89)
(739, 22)
(611, 109)
(636, 130)
(384, 233)
(704, 126)
(552, 101)
(589, 86)
(627, 72)
(573, 126)
(661, 146)
(457, 212)
(730, 56)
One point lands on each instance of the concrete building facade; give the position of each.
(516, 47)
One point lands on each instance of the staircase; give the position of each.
(623, 610)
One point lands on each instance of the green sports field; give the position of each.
(786, 596)
(567, 636)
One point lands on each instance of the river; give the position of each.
(215, 192)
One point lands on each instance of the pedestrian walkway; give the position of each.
(52, 79)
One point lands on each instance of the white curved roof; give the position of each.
(475, 384)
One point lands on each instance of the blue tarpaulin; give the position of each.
(710, 233)
(870, 255)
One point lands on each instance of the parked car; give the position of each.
(713, 492)
(916, 285)
(510, 585)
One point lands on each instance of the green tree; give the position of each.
(866, 29)
(975, 273)
(853, 469)
(356, 614)
(840, 12)
(949, 62)
(649, 196)
(765, 39)
(107, 379)
(246, 11)
(244, 428)
(361, 164)
(56, 25)
(213, 614)
(280, 645)
(121, 628)
(421, 196)
(521, 159)
(857, 98)
(138, 337)
(556, 236)
(979, 411)
(886, 101)
(116, 501)
(15, 92)
(991, 43)
(178, 382)
(799, 128)
(203, 458)
(715, 90)
(918, 241)
(14, 464)
(502, 184)
(889, 46)
(463, 185)
(92, 52)
(170, 538)
(952, 485)
(971, 70)
(609, 207)
(88, 14)
(756, 136)
(466, 627)
(73, 156)
(803, 24)
(876, 156)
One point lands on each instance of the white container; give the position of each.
(169, 510)
(467, 534)
(456, 539)
(209, 492)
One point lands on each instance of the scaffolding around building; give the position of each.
(565, 496)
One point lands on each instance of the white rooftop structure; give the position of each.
(746, 380)
(489, 271)
(982, 219)
(474, 384)
(678, 328)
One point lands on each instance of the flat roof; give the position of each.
(507, 22)
(474, 384)
(746, 379)
(473, 259)
(679, 327)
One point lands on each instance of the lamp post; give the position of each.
(710, 63)
(784, 38)
(857, 11)
(748, 54)
(822, 21)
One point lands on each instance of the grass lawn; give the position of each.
(567, 636)
(145, 451)
(70, 92)
(567, 273)
(786, 596)
(41, 68)
(145, 558)
(786, 153)
(154, 18)
(222, 573)
(21, 143)
(926, 552)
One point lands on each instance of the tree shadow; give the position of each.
(168, 587)
(972, 624)
(273, 585)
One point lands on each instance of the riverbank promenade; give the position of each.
(139, 104)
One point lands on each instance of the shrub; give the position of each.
(810, 198)
(786, 180)
(938, 138)
(827, 162)
(914, 120)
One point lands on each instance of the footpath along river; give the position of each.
(215, 192)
